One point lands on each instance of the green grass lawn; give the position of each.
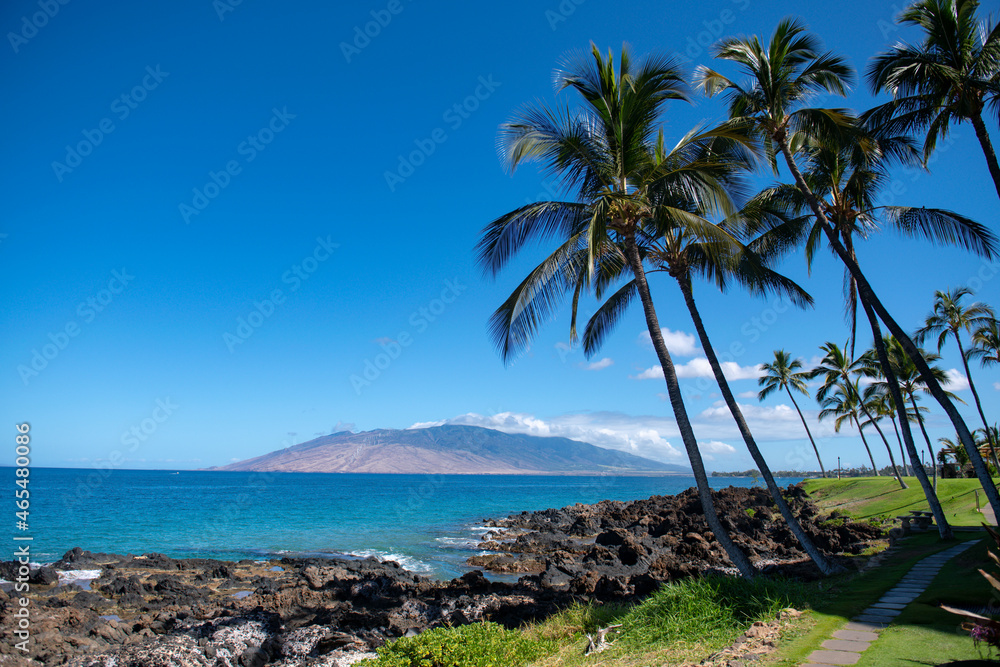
(866, 497)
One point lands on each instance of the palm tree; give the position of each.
(950, 316)
(882, 407)
(950, 77)
(986, 348)
(986, 344)
(911, 383)
(838, 370)
(843, 404)
(849, 178)
(955, 451)
(714, 253)
(988, 436)
(784, 374)
(605, 150)
(783, 76)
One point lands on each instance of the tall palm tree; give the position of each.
(911, 383)
(783, 76)
(882, 407)
(849, 177)
(843, 403)
(783, 373)
(950, 77)
(950, 316)
(722, 259)
(838, 370)
(604, 149)
(986, 348)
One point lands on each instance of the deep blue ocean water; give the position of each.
(429, 523)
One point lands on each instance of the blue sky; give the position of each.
(219, 215)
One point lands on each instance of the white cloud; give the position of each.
(713, 450)
(996, 385)
(766, 422)
(649, 374)
(700, 368)
(597, 365)
(956, 381)
(678, 343)
(747, 394)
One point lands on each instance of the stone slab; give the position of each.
(845, 645)
(834, 657)
(888, 605)
(871, 618)
(886, 613)
(855, 635)
(899, 599)
(871, 627)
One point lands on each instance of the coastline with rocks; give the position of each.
(153, 610)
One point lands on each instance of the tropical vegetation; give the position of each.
(636, 207)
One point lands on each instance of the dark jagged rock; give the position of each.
(627, 549)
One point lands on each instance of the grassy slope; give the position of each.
(864, 497)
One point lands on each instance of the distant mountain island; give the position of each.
(452, 450)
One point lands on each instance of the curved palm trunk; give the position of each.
(786, 512)
(871, 420)
(979, 404)
(866, 292)
(944, 528)
(735, 554)
(854, 416)
(808, 432)
(984, 141)
(927, 438)
(902, 451)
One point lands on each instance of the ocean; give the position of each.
(428, 523)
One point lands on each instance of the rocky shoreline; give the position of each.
(157, 611)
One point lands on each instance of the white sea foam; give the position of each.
(411, 564)
(81, 578)
(459, 542)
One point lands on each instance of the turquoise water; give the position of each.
(430, 523)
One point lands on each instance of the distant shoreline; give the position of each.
(541, 473)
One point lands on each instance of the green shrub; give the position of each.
(711, 608)
(476, 645)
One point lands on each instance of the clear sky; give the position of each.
(218, 215)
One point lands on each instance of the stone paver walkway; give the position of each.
(846, 646)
